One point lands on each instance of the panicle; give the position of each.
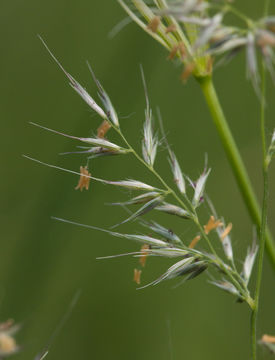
(204, 34)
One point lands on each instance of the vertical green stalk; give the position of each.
(260, 268)
(264, 213)
(235, 159)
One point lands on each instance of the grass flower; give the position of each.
(137, 275)
(165, 242)
(195, 35)
(188, 31)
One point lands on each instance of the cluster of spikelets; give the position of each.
(196, 32)
(192, 258)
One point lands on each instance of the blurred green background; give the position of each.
(43, 263)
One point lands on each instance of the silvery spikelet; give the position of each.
(249, 261)
(178, 176)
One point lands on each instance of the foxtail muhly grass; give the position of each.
(197, 37)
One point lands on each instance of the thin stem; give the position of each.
(260, 268)
(264, 216)
(235, 160)
(263, 135)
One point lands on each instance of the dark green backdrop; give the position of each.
(43, 262)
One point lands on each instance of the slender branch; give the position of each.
(235, 160)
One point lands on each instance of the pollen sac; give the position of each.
(84, 180)
(103, 128)
(154, 24)
(212, 224)
(137, 274)
(194, 242)
(144, 252)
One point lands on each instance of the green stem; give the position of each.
(260, 267)
(263, 225)
(235, 160)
